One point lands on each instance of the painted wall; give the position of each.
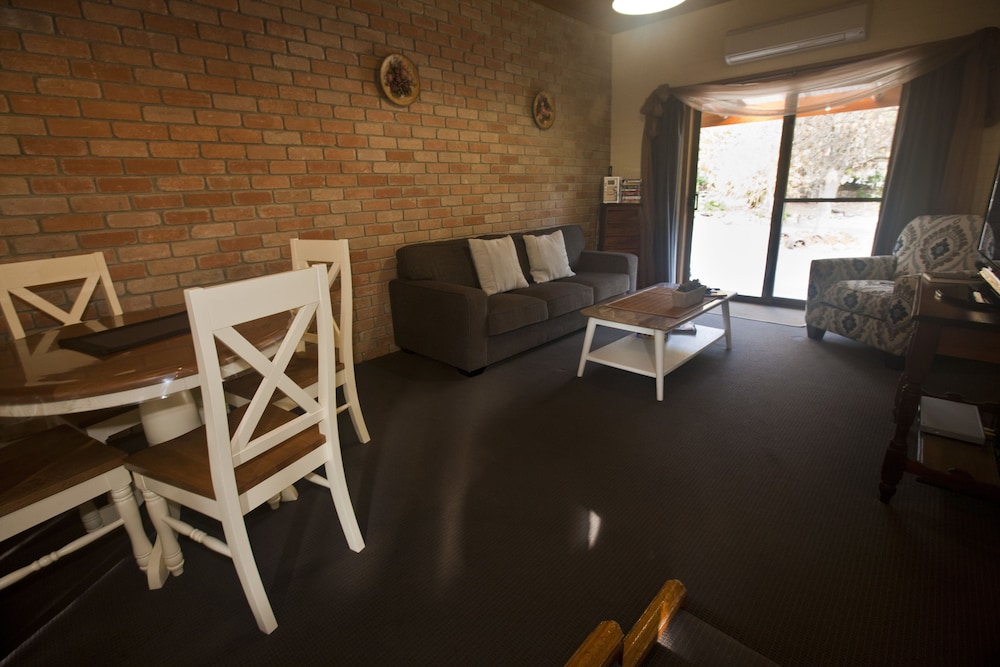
(188, 140)
(689, 49)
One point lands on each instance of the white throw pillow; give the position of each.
(547, 256)
(496, 264)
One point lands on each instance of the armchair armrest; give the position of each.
(440, 320)
(899, 316)
(603, 261)
(825, 272)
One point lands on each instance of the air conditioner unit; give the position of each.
(837, 25)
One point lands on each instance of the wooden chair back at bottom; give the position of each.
(606, 646)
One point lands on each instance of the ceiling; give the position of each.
(599, 14)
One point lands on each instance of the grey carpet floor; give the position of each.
(507, 514)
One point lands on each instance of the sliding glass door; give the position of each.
(775, 194)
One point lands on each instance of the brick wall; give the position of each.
(189, 140)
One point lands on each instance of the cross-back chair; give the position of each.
(49, 473)
(336, 256)
(26, 282)
(245, 457)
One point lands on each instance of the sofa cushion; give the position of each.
(865, 297)
(444, 261)
(547, 256)
(509, 311)
(560, 297)
(497, 265)
(604, 285)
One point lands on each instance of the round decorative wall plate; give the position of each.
(399, 79)
(543, 109)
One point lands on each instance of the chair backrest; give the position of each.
(215, 313)
(336, 255)
(938, 244)
(17, 279)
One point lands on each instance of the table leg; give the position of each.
(588, 339)
(726, 325)
(168, 417)
(658, 343)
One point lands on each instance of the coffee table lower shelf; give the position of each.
(638, 354)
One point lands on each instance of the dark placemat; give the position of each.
(128, 336)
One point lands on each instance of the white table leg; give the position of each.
(658, 342)
(588, 339)
(168, 417)
(726, 326)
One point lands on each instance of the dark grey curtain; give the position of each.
(939, 131)
(670, 147)
(952, 91)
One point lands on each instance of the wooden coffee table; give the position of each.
(653, 352)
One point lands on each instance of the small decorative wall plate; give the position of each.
(399, 79)
(543, 109)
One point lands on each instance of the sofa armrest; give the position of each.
(603, 261)
(440, 320)
(825, 272)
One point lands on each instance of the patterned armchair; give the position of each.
(870, 299)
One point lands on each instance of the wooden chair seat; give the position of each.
(48, 473)
(183, 461)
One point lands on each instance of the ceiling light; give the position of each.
(643, 6)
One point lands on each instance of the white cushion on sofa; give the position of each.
(547, 256)
(496, 265)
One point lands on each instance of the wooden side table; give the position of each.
(948, 324)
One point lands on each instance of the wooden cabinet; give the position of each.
(619, 229)
(946, 323)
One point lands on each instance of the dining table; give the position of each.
(145, 358)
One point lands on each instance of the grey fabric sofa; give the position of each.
(440, 311)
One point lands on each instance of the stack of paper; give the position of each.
(951, 419)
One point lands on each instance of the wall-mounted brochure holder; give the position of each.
(612, 189)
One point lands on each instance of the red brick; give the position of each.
(133, 219)
(101, 71)
(24, 62)
(94, 32)
(91, 166)
(62, 185)
(163, 234)
(33, 205)
(159, 201)
(114, 110)
(150, 166)
(44, 106)
(99, 203)
(186, 217)
(218, 260)
(55, 46)
(72, 223)
(109, 184)
(113, 15)
(78, 127)
(146, 252)
(42, 146)
(19, 83)
(107, 239)
(27, 165)
(69, 88)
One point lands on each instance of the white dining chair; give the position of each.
(41, 284)
(46, 474)
(336, 256)
(243, 458)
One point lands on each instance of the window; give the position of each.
(775, 194)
